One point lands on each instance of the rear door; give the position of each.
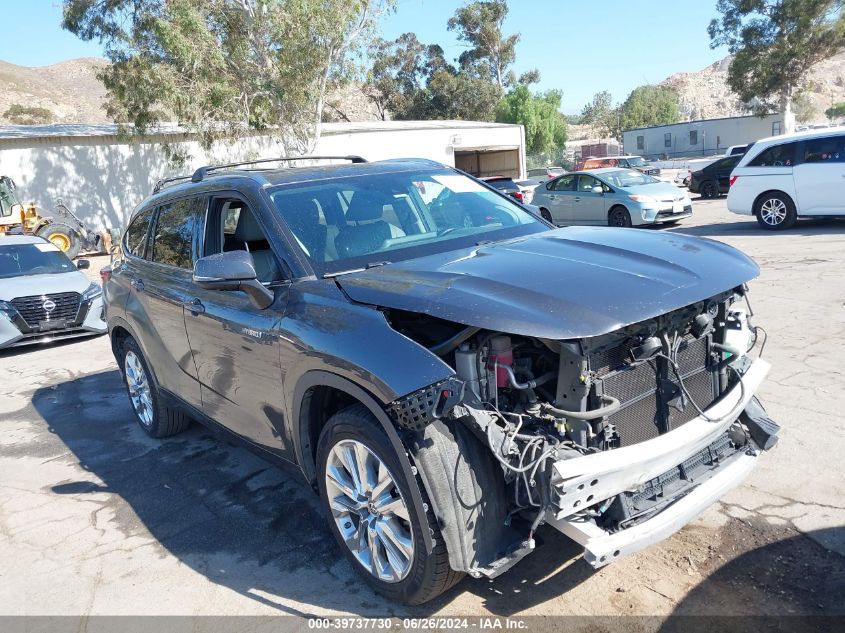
(589, 207)
(160, 285)
(559, 197)
(820, 176)
(235, 345)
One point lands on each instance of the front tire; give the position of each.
(619, 216)
(152, 415)
(775, 211)
(62, 236)
(372, 513)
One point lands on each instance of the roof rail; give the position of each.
(164, 181)
(200, 174)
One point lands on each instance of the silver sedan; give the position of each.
(612, 196)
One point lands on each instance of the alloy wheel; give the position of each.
(369, 511)
(139, 388)
(773, 211)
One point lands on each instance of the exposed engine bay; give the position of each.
(540, 406)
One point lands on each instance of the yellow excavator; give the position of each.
(64, 228)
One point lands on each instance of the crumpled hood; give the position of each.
(569, 283)
(28, 285)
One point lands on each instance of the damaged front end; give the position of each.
(616, 440)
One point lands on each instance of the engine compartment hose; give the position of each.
(452, 343)
(530, 384)
(611, 406)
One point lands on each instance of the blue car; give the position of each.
(611, 196)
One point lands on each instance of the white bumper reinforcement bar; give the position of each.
(602, 547)
(584, 481)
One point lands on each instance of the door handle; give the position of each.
(194, 306)
(576, 199)
(137, 284)
(552, 198)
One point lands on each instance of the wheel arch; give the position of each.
(755, 208)
(119, 331)
(308, 419)
(618, 205)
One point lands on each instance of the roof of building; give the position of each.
(699, 121)
(81, 130)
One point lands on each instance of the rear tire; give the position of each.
(775, 211)
(546, 215)
(708, 190)
(152, 415)
(619, 216)
(63, 236)
(352, 437)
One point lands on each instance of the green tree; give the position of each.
(835, 111)
(397, 74)
(28, 115)
(490, 52)
(774, 44)
(545, 125)
(601, 115)
(804, 108)
(456, 95)
(649, 105)
(225, 67)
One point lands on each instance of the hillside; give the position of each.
(705, 94)
(69, 91)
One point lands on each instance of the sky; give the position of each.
(580, 46)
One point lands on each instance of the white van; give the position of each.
(794, 175)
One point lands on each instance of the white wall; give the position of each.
(102, 180)
(714, 136)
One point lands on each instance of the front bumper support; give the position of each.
(602, 547)
(586, 481)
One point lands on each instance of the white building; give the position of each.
(102, 176)
(700, 138)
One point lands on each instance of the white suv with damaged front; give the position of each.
(43, 295)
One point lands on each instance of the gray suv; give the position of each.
(445, 368)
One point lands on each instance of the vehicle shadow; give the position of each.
(12, 352)
(792, 584)
(749, 228)
(242, 522)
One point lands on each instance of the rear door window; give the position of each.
(564, 183)
(825, 150)
(173, 239)
(782, 155)
(136, 235)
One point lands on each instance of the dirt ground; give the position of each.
(95, 518)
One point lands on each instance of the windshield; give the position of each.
(17, 260)
(354, 222)
(628, 178)
(637, 161)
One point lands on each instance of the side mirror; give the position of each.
(597, 190)
(82, 264)
(234, 270)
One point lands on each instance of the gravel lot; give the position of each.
(97, 519)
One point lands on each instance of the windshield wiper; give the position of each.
(342, 272)
(354, 270)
